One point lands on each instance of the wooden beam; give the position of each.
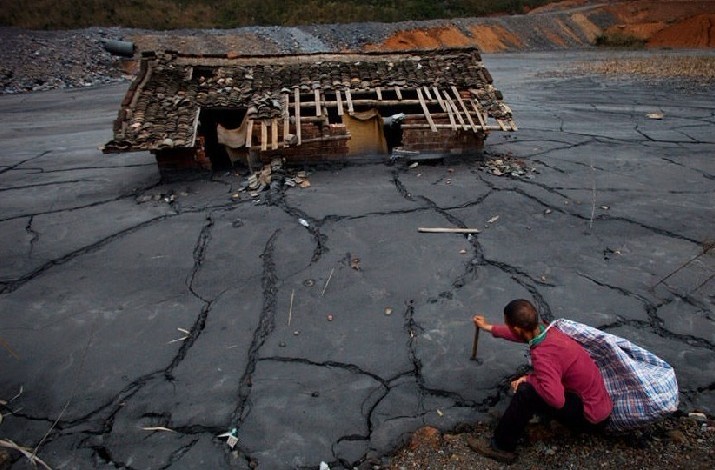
(274, 133)
(481, 113)
(297, 114)
(286, 117)
(398, 93)
(264, 135)
(450, 104)
(350, 100)
(318, 106)
(464, 107)
(317, 139)
(428, 95)
(482, 121)
(379, 93)
(249, 133)
(449, 112)
(340, 103)
(445, 126)
(426, 111)
(439, 98)
(447, 230)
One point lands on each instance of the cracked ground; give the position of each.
(140, 318)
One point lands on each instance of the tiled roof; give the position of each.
(161, 107)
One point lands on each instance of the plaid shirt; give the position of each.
(642, 386)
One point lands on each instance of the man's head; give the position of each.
(521, 316)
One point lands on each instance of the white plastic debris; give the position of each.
(324, 466)
(231, 437)
(304, 222)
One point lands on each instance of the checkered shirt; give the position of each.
(642, 386)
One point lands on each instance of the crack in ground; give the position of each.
(40, 170)
(178, 454)
(133, 194)
(41, 185)
(703, 173)
(277, 198)
(654, 322)
(35, 237)
(265, 327)
(8, 287)
(12, 167)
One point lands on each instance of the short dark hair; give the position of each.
(521, 313)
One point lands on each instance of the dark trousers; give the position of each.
(525, 403)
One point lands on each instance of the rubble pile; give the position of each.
(506, 165)
(45, 60)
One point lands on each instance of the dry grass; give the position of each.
(693, 68)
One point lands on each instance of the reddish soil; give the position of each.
(431, 38)
(698, 31)
(575, 23)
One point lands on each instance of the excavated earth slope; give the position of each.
(41, 60)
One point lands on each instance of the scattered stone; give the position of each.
(507, 166)
(426, 437)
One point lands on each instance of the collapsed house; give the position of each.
(210, 111)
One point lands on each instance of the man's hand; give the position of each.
(515, 383)
(481, 322)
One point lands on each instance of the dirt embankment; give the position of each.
(571, 24)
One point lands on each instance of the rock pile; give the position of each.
(44, 60)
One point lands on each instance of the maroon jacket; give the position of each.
(562, 365)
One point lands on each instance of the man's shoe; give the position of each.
(487, 449)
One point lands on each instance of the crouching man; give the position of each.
(565, 383)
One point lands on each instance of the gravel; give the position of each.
(679, 442)
(44, 60)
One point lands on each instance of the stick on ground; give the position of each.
(475, 344)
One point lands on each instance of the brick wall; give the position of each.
(444, 141)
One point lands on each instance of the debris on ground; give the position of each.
(507, 165)
(273, 174)
(677, 442)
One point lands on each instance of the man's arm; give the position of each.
(498, 331)
(481, 322)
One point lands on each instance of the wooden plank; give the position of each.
(451, 116)
(426, 111)
(439, 98)
(249, 133)
(264, 135)
(340, 103)
(478, 112)
(286, 118)
(367, 102)
(350, 100)
(428, 95)
(398, 93)
(297, 114)
(321, 139)
(464, 107)
(318, 106)
(379, 93)
(444, 126)
(447, 230)
(450, 104)
(501, 124)
(274, 134)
